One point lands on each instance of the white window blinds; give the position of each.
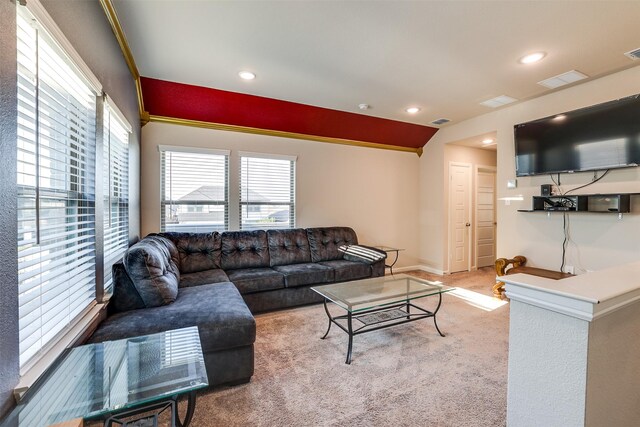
(116, 190)
(194, 187)
(56, 194)
(267, 191)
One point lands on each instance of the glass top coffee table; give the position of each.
(378, 303)
(118, 380)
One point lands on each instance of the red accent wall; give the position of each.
(178, 100)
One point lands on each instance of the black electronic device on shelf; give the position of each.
(603, 203)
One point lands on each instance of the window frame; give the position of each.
(83, 200)
(164, 202)
(110, 109)
(291, 204)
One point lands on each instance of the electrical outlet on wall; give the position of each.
(569, 269)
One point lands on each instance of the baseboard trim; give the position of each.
(418, 267)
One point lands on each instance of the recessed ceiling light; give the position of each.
(247, 75)
(364, 106)
(487, 141)
(532, 57)
(412, 110)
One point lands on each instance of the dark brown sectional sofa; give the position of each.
(217, 280)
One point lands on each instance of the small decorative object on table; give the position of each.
(518, 266)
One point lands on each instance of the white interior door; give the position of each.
(486, 219)
(459, 216)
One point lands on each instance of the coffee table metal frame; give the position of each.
(383, 316)
(129, 417)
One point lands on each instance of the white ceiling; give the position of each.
(444, 56)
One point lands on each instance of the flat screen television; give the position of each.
(604, 136)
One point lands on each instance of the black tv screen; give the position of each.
(604, 136)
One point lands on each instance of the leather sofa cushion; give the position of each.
(305, 274)
(203, 278)
(249, 280)
(288, 247)
(348, 270)
(244, 249)
(218, 310)
(197, 251)
(152, 265)
(325, 242)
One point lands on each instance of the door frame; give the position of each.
(450, 213)
(494, 169)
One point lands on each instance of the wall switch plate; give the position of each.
(512, 183)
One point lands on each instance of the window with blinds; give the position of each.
(56, 188)
(115, 189)
(267, 191)
(195, 190)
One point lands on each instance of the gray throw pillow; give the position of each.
(151, 265)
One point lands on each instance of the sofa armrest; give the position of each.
(125, 295)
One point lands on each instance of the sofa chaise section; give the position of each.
(226, 326)
(153, 266)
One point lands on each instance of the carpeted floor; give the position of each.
(403, 376)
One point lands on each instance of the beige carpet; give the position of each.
(403, 376)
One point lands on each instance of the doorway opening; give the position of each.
(470, 186)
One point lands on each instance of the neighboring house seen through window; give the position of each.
(194, 187)
(267, 191)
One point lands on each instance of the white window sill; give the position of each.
(73, 335)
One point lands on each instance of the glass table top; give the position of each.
(388, 248)
(360, 295)
(96, 379)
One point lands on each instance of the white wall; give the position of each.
(373, 191)
(601, 240)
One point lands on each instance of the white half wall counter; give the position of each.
(574, 349)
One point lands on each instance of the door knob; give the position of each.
(468, 225)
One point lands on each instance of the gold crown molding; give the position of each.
(258, 131)
(112, 16)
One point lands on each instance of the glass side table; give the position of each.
(389, 250)
(118, 380)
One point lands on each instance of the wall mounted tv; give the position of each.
(604, 136)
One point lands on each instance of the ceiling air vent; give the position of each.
(633, 54)
(498, 101)
(440, 121)
(563, 79)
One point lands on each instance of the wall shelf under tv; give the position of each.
(618, 203)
